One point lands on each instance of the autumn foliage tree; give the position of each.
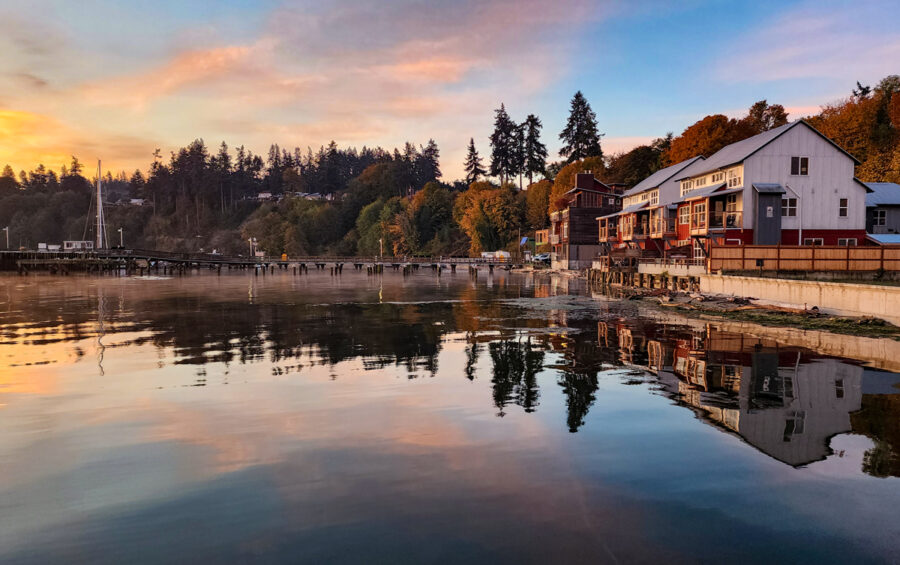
(712, 133)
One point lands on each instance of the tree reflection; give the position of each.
(516, 364)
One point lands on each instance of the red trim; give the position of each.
(829, 237)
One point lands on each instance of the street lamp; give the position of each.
(121, 239)
(6, 229)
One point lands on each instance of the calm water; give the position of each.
(386, 419)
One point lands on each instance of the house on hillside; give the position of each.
(790, 185)
(573, 230)
(647, 217)
(883, 208)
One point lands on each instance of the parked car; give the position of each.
(542, 258)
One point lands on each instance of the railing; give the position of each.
(674, 261)
(661, 226)
(726, 220)
(607, 233)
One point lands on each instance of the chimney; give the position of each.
(584, 180)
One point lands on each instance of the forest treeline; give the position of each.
(348, 201)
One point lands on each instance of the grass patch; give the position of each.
(867, 327)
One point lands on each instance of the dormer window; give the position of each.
(734, 178)
(800, 166)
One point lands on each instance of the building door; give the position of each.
(767, 223)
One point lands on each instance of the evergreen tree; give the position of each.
(503, 153)
(518, 161)
(474, 169)
(428, 168)
(580, 134)
(535, 151)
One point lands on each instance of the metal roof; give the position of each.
(741, 150)
(661, 176)
(884, 238)
(769, 188)
(701, 192)
(629, 210)
(883, 194)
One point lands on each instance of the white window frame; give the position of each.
(847, 241)
(718, 177)
(734, 178)
(843, 208)
(879, 217)
(684, 216)
(788, 207)
(654, 198)
(813, 241)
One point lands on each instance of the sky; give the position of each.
(114, 80)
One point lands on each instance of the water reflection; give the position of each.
(787, 402)
(294, 414)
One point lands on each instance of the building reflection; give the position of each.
(786, 402)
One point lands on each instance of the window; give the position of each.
(879, 217)
(789, 207)
(812, 241)
(849, 241)
(800, 166)
(734, 178)
(654, 198)
(684, 215)
(839, 388)
(565, 230)
(700, 182)
(842, 207)
(731, 203)
(699, 216)
(718, 177)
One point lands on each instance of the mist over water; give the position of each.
(352, 418)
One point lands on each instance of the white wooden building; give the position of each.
(789, 185)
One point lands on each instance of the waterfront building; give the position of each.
(647, 217)
(883, 208)
(790, 185)
(573, 229)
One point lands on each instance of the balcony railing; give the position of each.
(726, 220)
(607, 233)
(662, 226)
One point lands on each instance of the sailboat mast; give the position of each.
(99, 207)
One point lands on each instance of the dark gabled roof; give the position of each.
(594, 190)
(883, 194)
(769, 188)
(661, 176)
(741, 150)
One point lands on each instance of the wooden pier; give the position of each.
(143, 261)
